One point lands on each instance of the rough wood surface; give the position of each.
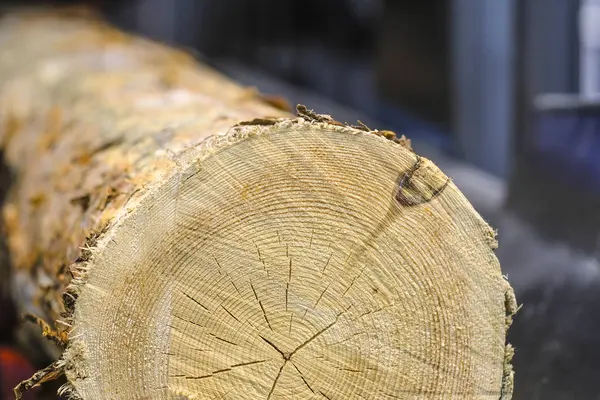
(179, 253)
(90, 117)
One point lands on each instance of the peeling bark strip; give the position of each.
(58, 337)
(49, 373)
(180, 252)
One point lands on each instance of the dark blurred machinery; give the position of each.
(549, 245)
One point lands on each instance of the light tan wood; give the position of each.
(283, 258)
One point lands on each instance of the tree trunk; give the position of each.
(179, 253)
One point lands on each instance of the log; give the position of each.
(176, 251)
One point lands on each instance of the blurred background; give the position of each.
(504, 95)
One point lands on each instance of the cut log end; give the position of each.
(285, 261)
(291, 258)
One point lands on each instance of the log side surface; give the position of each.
(89, 117)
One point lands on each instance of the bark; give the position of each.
(179, 252)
